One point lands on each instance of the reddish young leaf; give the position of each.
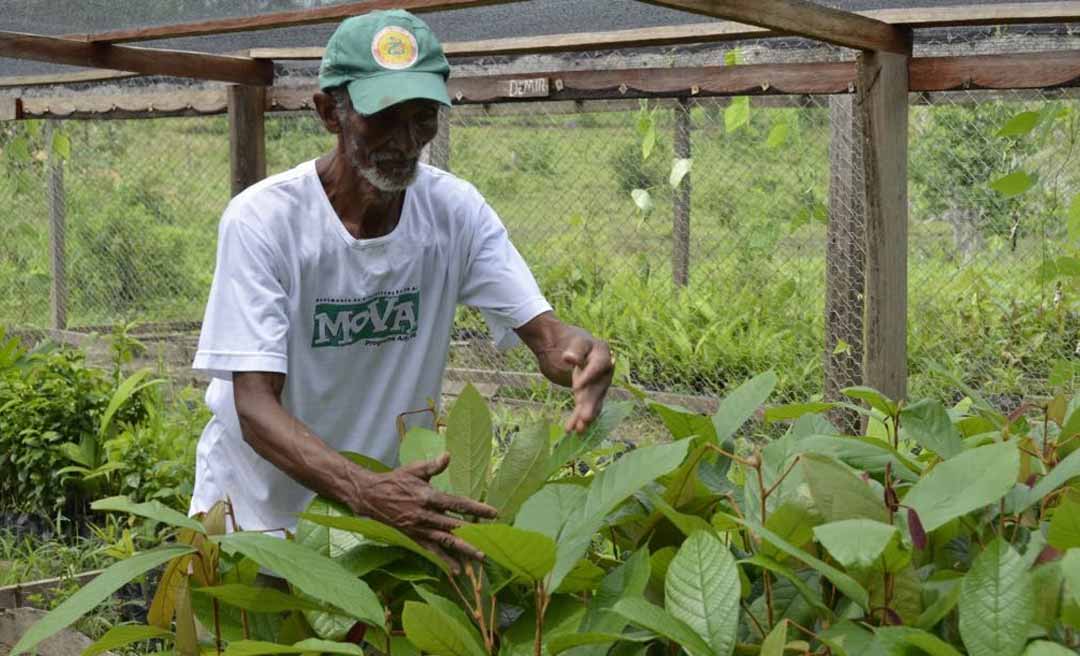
(915, 527)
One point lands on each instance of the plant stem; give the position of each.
(772, 488)
(244, 622)
(541, 608)
(734, 457)
(217, 625)
(764, 494)
(753, 619)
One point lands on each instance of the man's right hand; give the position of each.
(405, 499)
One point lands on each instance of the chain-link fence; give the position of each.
(699, 282)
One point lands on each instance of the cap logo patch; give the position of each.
(395, 48)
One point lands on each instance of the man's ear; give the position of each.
(326, 107)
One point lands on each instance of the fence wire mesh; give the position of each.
(752, 261)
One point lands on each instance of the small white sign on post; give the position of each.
(532, 88)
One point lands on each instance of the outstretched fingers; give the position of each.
(428, 469)
(443, 502)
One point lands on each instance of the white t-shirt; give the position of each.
(360, 327)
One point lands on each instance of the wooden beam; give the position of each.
(1042, 70)
(1009, 13)
(278, 19)
(803, 18)
(882, 99)
(140, 60)
(58, 294)
(247, 140)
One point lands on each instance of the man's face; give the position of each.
(384, 148)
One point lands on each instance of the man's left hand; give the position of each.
(571, 357)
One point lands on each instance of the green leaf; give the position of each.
(122, 636)
(837, 493)
(680, 167)
(741, 404)
(737, 114)
(93, 593)
(61, 145)
(567, 641)
(527, 554)
(572, 446)
(1064, 531)
(778, 136)
(1070, 569)
(648, 139)
(522, 472)
(18, 149)
(894, 639)
(794, 521)
(1047, 648)
(812, 598)
(928, 423)
(421, 444)
(468, 439)
(842, 581)
(856, 542)
(1019, 125)
(551, 509)
(625, 581)
(154, 510)
(775, 641)
(435, 632)
(997, 604)
(687, 524)
(1074, 219)
(310, 572)
(642, 199)
(702, 589)
(659, 621)
(259, 599)
(610, 488)
(967, 482)
(873, 398)
(309, 646)
(795, 410)
(374, 530)
(1066, 470)
(1013, 184)
(452, 611)
(124, 392)
(683, 423)
(941, 607)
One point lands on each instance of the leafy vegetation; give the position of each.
(941, 530)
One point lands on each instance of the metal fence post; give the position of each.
(247, 140)
(58, 300)
(680, 234)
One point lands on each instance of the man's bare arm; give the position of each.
(402, 498)
(571, 357)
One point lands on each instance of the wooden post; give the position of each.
(247, 141)
(680, 247)
(439, 149)
(845, 258)
(58, 299)
(883, 103)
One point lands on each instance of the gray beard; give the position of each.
(382, 182)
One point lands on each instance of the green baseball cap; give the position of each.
(385, 57)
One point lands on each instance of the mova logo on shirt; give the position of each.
(379, 318)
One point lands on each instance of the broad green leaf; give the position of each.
(122, 636)
(812, 598)
(1065, 471)
(793, 521)
(737, 114)
(997, 604)
(687, 524)
(367, 462)
(453, 611)
(856, 542)
(895, 638)
(309, 646)
(1064, 533)
(864, 453)
(187, 639)
(124, 392)
(374, 530)
(778, 136)
(522, 472)
(967, 482)
(741, 404)
(1013, 184)
(642, 199)
(259, 599)
(583, 578)
(837, 493)
(422, 444)
(1074, 219)
(928, 423)
(551, 509)
(873, 398)
(435, 632)
(310, 572)
(1047, 648)
(572, 446)
(527, 554)
(683, 423)
(1019, 125)
(610, 488)
(842, 581)
(61, 145)
(648, 140)
(93, 593)
(1070, 569)
(567, 641)
(775, 641)
(154, 510)
(795, 410)
(941, 607)
(625, 581)
(702, 589)
(680, 167)
(468, 439)
(659, 621)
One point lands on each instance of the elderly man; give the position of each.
(334, 295)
